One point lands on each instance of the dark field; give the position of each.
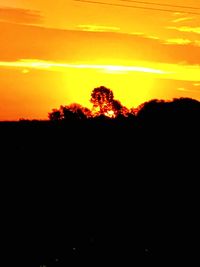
(106, 192)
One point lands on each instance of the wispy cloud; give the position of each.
(56, 66)
(196, 84)
(186, 90)
(185, 29)
(182, 19)
(143, 35)
(178, 41)
(20, 16)
(98, 28)
(181, 72)
(182, 89)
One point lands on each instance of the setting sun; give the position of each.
(52, 55)
(100, 131)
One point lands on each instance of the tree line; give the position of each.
(104, 105)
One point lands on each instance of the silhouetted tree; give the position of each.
(55, 115)
(119, 109)
(185, 104)
(71, 112)
(177, 108)
(184, 110)
(178, 114)
(102, 100)
(133, 111)
(104, 103)
(75, 111)
(154, 112)
(152, 109)
(80, 111)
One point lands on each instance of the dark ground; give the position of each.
(91, 193)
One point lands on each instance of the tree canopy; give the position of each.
(71, 112)
(102, 100)
(105, 105)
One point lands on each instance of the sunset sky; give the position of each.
(54, 53)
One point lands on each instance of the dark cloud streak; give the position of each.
(20, 16)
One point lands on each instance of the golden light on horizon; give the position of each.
(110, 114)
(57, 54)
(73, 83)
(76, 81)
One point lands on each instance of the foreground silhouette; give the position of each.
(90, 187)
(157, 112)
(103, 102)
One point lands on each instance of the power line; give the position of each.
(139, 7)
(157, 4)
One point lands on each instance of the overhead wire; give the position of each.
(159, 4)
(138, 7)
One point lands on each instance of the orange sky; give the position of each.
(54, 53)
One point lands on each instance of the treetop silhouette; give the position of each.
(102, 100)
(71, 112)
(105, 105)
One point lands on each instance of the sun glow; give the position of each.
(110, 114)
(52, 55)
(60, 83)
(73, 83)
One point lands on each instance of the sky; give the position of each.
(56, 53)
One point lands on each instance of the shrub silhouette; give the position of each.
(71, 112)
(55, 115)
